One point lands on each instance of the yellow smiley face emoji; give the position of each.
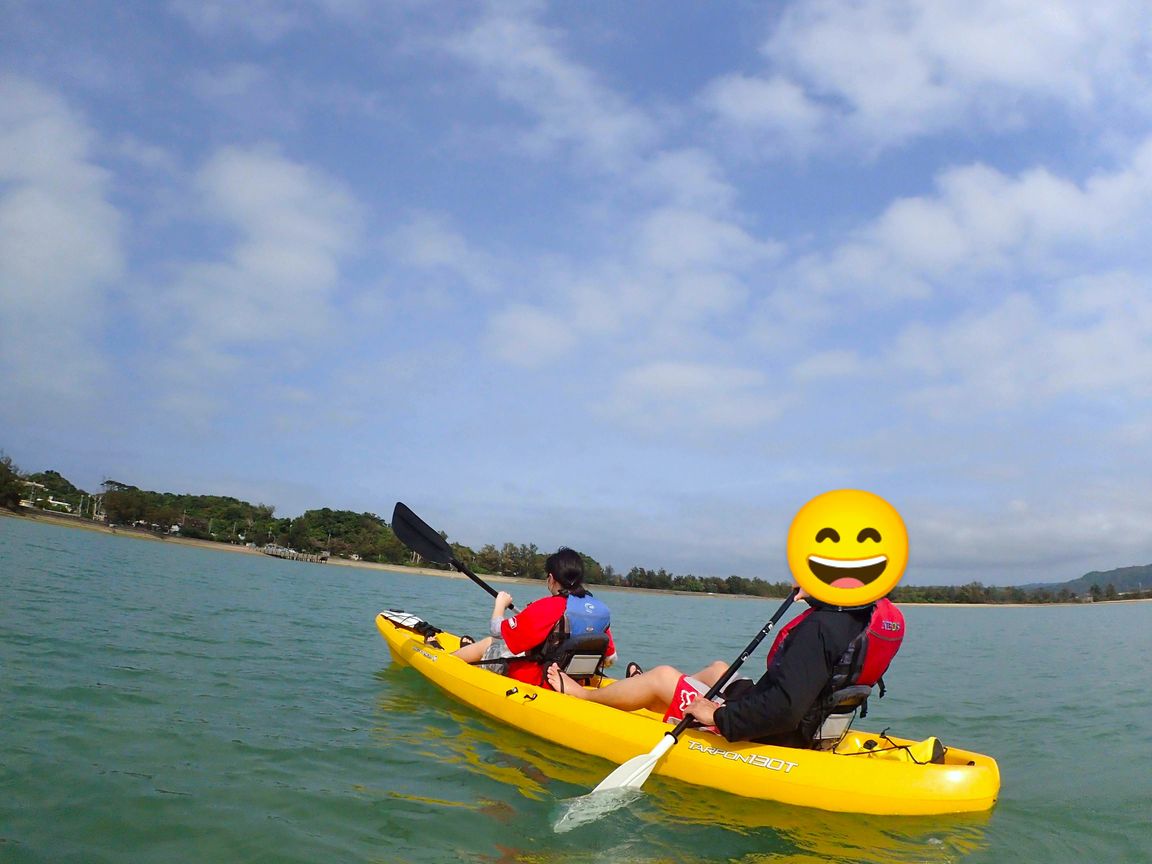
(847, 547)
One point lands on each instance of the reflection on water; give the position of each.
(830, 836)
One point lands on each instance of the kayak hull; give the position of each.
(856, 778)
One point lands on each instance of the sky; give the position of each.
(636, 278)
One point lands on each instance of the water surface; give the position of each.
(167, 703)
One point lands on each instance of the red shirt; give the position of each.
(528, 629)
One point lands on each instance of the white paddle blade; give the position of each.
(633, 773)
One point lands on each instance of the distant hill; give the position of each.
(1124, 579)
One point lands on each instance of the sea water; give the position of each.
(165, 703)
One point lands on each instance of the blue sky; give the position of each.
(639, 278)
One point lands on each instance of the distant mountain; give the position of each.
(1124, 579)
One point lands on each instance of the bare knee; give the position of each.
(663, 679)
(475, 651)
(711, 673)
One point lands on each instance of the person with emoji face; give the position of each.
(846, 549)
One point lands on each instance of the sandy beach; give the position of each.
(67, 521)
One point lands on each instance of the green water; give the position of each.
(161, 703)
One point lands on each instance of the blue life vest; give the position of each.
(583, 616)
(586, 615)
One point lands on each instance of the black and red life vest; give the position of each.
(868, 655)
(872, 651)
(863, 662)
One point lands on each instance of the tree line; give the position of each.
(368, 537)
(979, 593)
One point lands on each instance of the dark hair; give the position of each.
(567, 568)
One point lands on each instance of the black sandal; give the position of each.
(632, 670)
(466, 640)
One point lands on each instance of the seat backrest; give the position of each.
(582, 657)
(842, 706)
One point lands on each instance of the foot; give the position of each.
(632, 670)
(562, 683)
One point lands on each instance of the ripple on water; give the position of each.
(170, 704)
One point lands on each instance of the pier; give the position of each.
(292, 555)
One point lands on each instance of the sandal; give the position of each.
(466, 640)
(632, 670)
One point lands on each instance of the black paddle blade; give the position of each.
(419, 536)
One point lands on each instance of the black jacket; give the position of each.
(772, 710)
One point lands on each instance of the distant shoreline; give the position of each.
(67, 521)
(83, 524)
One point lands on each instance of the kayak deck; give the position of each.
(866, 773)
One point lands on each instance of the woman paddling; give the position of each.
(513, 646)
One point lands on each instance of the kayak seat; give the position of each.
(581, 657)
(841, 706)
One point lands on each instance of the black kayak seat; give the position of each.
(581, 657)
(841, 706)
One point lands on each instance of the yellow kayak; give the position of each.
(865, 773)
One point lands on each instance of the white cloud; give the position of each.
(570, 106)
(888, 71)
(1044, 537)
(982, 228)
(673, 398)
(997, 292)
(529, 336)
(59, 245)
(664, 289)
(266, 20)
(672, 238)
(430, 242)
(1089, 338)
(294, 227)
(774, 108)
(675, 257)
(687, 178)
(828, 364)
(145, 157)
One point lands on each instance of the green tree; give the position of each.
(124, 504)
(488, 559)
(11, 486)
(533, 560)
(593, 572)
(511, 564)
(58, 487)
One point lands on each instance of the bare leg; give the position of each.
(474, 652)
(652, 689)
(711, 673)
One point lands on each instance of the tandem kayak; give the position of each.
(865, 773)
